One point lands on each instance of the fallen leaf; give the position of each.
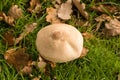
(58, 1)
(15, 12)
(27, 69)
(17, 57)
(105, 7)
(35, 6)
(7, 19)
(41, 63)
(102, 17)
(84, 52)
(81, 7)
(112, 27)
(9, 38)
(116, 15)
(52, 15)
(100, 20)
(87, 35)
(28, 28)
(37, 78)
(65, 10)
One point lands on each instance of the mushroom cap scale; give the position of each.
(59, 43)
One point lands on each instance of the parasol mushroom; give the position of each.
(59, 43)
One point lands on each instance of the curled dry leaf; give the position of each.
(103, 17)
(58, 1)
(9, 38)
(35, 6)
(52, 15)
(15, 12)
(81, 7)
(87, 35)
(28, 28)
(37, 78)
(112, 27)
(7, 19)
(116, 15)
(84, 52)
(65, 10)
(105, 7)
(41, 63)
(27, 69)
(17, 57)
(100, 20)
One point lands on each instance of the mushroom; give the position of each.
(59, 43)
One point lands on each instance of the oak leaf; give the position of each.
(17, 57)
(87, 35)
(15, 12)
(52, 15)
(9, 38)
(28, 28)
(65, 10)
(8, 19)
(112, 27)
(35, 6)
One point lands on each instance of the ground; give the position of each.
(101, 63)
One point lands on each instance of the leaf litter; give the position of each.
(57, 14)
(9, 38)
(28, 28)
(15, 12)
(65, 10)
(8, 19)
(17, 57)
(35, 6)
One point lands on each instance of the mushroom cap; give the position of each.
(59, 43)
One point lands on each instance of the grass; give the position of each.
(101, 63)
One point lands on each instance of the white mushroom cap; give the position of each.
(59, 43)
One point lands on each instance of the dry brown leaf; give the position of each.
(102, 18)
(35, 6)
(52, 15)
(17, 57)
(27, 69)
(84, 52)
(116, 15)
(37, 78)
(81, 7)
(103, 7)
(9, 38)
(65, 10)
(7, 19)
(112, 27)
(41, 64)
(15, 12)
(28, 28)
(56, 3)
(87, 35)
